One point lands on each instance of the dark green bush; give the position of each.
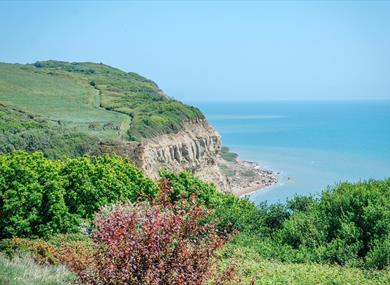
(40, 197)
(232, 212)
(348, 224)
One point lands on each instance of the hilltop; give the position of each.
(93, 98)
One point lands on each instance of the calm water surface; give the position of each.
(310, 144)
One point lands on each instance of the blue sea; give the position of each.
(310, 144)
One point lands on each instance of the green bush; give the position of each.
(40, 197)
(232, 212)
(348, 225)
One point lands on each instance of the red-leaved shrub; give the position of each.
(156, 243)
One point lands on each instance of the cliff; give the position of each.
(195, 148)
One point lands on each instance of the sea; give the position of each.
(310, 146)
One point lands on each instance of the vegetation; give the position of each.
(145, 244)
(23, 131)
(253, 268)
(348, 225)
(339, 237)
(40, 197)
(228, 155)
(94, 100)
(23, 270)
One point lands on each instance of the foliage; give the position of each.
(345, 225)
(41, 251)
(233, 213)
(149, 244)
(185, 185)
(41, 197)
(22, 131)
(49, 251)
(247, 254)
(348, 225)
(22, 270)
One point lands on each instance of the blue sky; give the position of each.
(230, 51)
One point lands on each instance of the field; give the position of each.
(66, 100)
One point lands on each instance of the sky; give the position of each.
(215, 51)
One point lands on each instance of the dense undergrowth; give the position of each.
(48, 209)
(40, 197)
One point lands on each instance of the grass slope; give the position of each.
(93, 99)
(22, 130)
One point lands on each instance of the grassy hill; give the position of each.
(88, 99)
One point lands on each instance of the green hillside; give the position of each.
(88, 99)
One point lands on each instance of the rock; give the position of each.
(195, 148)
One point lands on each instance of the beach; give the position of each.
(246, 177)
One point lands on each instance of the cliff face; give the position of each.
(195, 148)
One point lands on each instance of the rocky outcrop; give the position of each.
(195, 148)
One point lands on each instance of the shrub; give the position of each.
(232, 213)
(184, 185)
(348, 224)
(41, 197)
(150, 244)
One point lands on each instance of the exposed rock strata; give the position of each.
(195, 148)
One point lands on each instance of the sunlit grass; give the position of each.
(24, 271)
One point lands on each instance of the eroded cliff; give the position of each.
(195, 148)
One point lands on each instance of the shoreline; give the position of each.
(246, 177)
(265, 179)
(250, 189)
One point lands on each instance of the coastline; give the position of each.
(246, 177)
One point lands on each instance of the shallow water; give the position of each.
(310, 144)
